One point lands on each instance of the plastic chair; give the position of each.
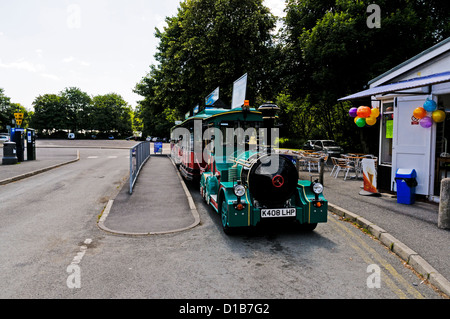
(335, 165)
(344, 165)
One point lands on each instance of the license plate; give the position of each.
(278, 212)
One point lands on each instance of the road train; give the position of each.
(241, 175)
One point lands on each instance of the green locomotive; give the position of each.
(240, 174)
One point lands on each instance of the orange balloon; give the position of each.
(363, 111)
(419, 112)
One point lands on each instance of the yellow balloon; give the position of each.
(371, 120)
(374, 112)
(438, 116)
(356, 118)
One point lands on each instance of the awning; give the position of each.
(403, 85)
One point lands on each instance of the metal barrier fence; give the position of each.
(139, 154)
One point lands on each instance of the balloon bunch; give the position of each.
(364, 115)
(426, 120)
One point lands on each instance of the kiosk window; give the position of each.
(387, 126)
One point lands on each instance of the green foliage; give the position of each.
(7, 110)
(324, 51)
(74, 110)
(4, 107)
(78, 108)
(50, 112)
(111, 114)
(330, 52)
(209, 43)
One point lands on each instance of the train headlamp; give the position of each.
(239, 190)
(317, 188)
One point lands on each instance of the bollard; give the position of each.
(444, 205)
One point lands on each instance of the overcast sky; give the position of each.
(99, 46)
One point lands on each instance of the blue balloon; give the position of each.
(430, 105)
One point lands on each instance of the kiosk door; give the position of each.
(412, 144)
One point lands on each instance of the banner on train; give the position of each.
(239, 91)
(212, 97)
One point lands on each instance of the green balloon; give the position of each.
(361, 122)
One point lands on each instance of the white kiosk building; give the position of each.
(403, 142)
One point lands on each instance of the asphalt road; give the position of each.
(50, 247)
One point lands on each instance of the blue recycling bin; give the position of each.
(406, 185)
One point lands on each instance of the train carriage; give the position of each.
(240, 174)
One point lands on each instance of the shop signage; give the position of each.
(390, 129)
(369, 175)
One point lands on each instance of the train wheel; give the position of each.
(224, 217)
(202, 192)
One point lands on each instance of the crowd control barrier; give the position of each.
(139, 154)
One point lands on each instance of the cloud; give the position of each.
(276, 7)
(160, 22)
(73, 59)
(23, 65)
(50, 76)
(39, 52)
(84, 63)
(68, 60)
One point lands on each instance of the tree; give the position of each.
(7, 110)
(329, 45)
(5, 103)
(50, 113)
(111, 114)
(209, 43)
(79, 108)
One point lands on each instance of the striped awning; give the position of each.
(403, 85)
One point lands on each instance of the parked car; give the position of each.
(328, 146)
(309, 145)
(4, 138)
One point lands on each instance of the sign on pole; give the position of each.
(19, 118)
(239, 90)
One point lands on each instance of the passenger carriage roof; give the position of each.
(213, 112)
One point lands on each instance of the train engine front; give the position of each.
(267, 189)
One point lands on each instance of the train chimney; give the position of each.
(269, 112)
